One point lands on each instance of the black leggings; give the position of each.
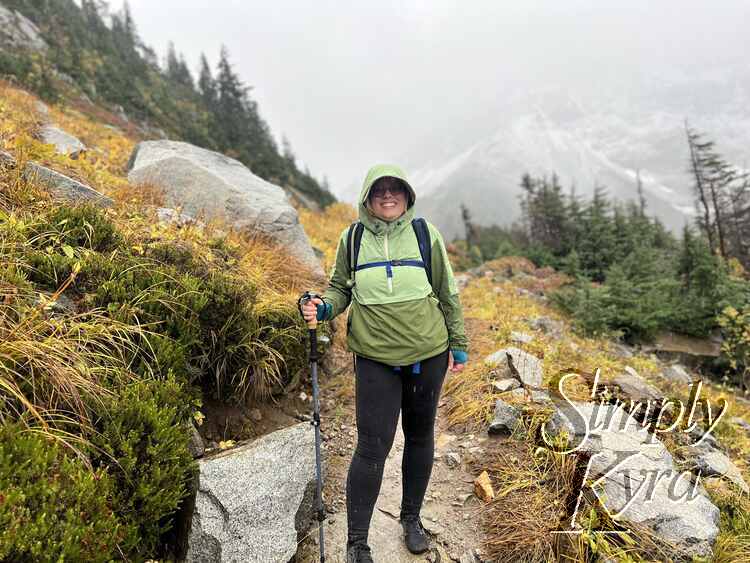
(380, 394)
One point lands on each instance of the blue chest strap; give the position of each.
(389, 265)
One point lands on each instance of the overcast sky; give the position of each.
(354, 83)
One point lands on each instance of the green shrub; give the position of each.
(176, 254)
(143, 444)
(202, 323)
(51, 506)
(83, 226)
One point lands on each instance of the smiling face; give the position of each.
(388, 198)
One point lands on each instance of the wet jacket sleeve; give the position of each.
(338, 295)
(444, 285)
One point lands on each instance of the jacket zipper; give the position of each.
(388, 271)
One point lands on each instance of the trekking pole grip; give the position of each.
(303, 300)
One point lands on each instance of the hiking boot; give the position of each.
(358, 553)
(415, 536)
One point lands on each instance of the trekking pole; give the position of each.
(312, 330)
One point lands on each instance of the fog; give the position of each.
(351, 84)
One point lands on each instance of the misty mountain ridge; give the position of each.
(603, 136)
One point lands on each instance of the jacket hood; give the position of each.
(369, 219)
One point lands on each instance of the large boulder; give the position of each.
(19, 32)
(199, 180)
(62, 187)
(254, 502)
(639, 482)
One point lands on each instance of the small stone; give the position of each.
(483, 487)
(63, 187)
(548, 326)
(303, 396)
(506, 419)
(520, 337)
(741, 422)
(527, 367)
(195, 445)
(64, 142)
(710, 462)
(6, 159)
(536, 396)
(635, 387)
(453, 460)
(443, 440)
(678, 374)
(504, 385)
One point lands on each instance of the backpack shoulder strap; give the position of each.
(425, 244)
(353, 240)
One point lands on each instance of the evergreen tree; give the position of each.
(207, 85)
(597, 246)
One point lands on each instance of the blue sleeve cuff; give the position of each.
(323, 311)
(459, 356)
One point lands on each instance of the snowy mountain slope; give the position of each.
(601, 138)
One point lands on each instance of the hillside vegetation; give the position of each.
(114, 329)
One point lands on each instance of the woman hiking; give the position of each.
(405, 333)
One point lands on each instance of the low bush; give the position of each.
(84, 226)
(142, 441)
(52, 507)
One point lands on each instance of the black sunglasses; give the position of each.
(379, 191)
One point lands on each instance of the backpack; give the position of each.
(354, 238)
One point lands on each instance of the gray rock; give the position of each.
(709, 461)
(741, 422)
(42, 109)
(6, 159)
(639, 481)
(506, 419)
(523, 365)
(548, 326)
(62, 187)
(462, 280)
(635, 387)
(452, 460)
(62, 305)
(18, 31)
(169, 215)
(700, 434)
(520, 337)
(199, 180)
(677, 373)
(195, 445)
(253, 502)
(535, 395)
(622, 350)
(65, 143)
(507, 384)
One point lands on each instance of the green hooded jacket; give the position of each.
(404, 320)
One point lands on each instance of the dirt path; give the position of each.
(450, 509)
